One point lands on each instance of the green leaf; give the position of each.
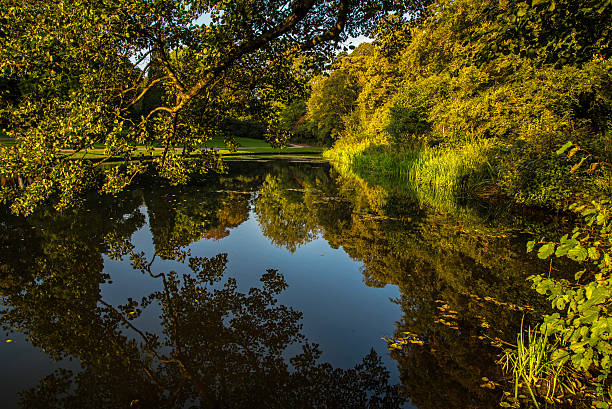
(599, 295)
(560, 304)
(530, 246)
(605, 361)
(560, 356)
(546, 250)
(589, 290)
(585, 363)
(564, 147)
(577, 254)
(563, 249)
(578, 347)
(593, 253)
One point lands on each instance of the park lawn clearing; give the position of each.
(217, 142)
(150, 154)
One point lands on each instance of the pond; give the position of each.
(281, 283)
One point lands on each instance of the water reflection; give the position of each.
(461, 276)
(217, 348)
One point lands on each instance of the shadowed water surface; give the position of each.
(271, 286)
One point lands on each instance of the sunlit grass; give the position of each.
(219, 142)
(436, 175)
(532, 366)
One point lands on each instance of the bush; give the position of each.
(578, 333)
(408, 115)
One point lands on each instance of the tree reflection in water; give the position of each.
(218, 347)
(461, 271)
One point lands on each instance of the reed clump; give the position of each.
(531, 364)
(451, 169)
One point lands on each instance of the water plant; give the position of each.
(532, 364)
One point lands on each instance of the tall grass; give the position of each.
(532, 366)
(441, 171)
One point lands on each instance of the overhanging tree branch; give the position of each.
(300, 11)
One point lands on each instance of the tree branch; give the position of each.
(300, 11)
(144, 92)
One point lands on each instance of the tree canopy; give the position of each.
(80, 74)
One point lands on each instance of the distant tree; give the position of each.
(332, 97)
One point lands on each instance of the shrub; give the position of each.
(578, 333)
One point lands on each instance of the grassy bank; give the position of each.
(450, 170)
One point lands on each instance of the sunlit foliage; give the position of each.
(114, 74)
(524, 75)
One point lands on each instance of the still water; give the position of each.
(278, 284)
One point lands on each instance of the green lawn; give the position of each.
(223, 152)
(216, 142)
(253, 147)
(302, 149)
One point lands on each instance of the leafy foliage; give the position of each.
(522, 74)
(581, 326)
(85, 73)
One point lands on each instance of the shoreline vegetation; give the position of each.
(564, 360)
(451, 119)
(458, 172)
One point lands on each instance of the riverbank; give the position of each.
(558, 355)
(482, 169)
(443, 173)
